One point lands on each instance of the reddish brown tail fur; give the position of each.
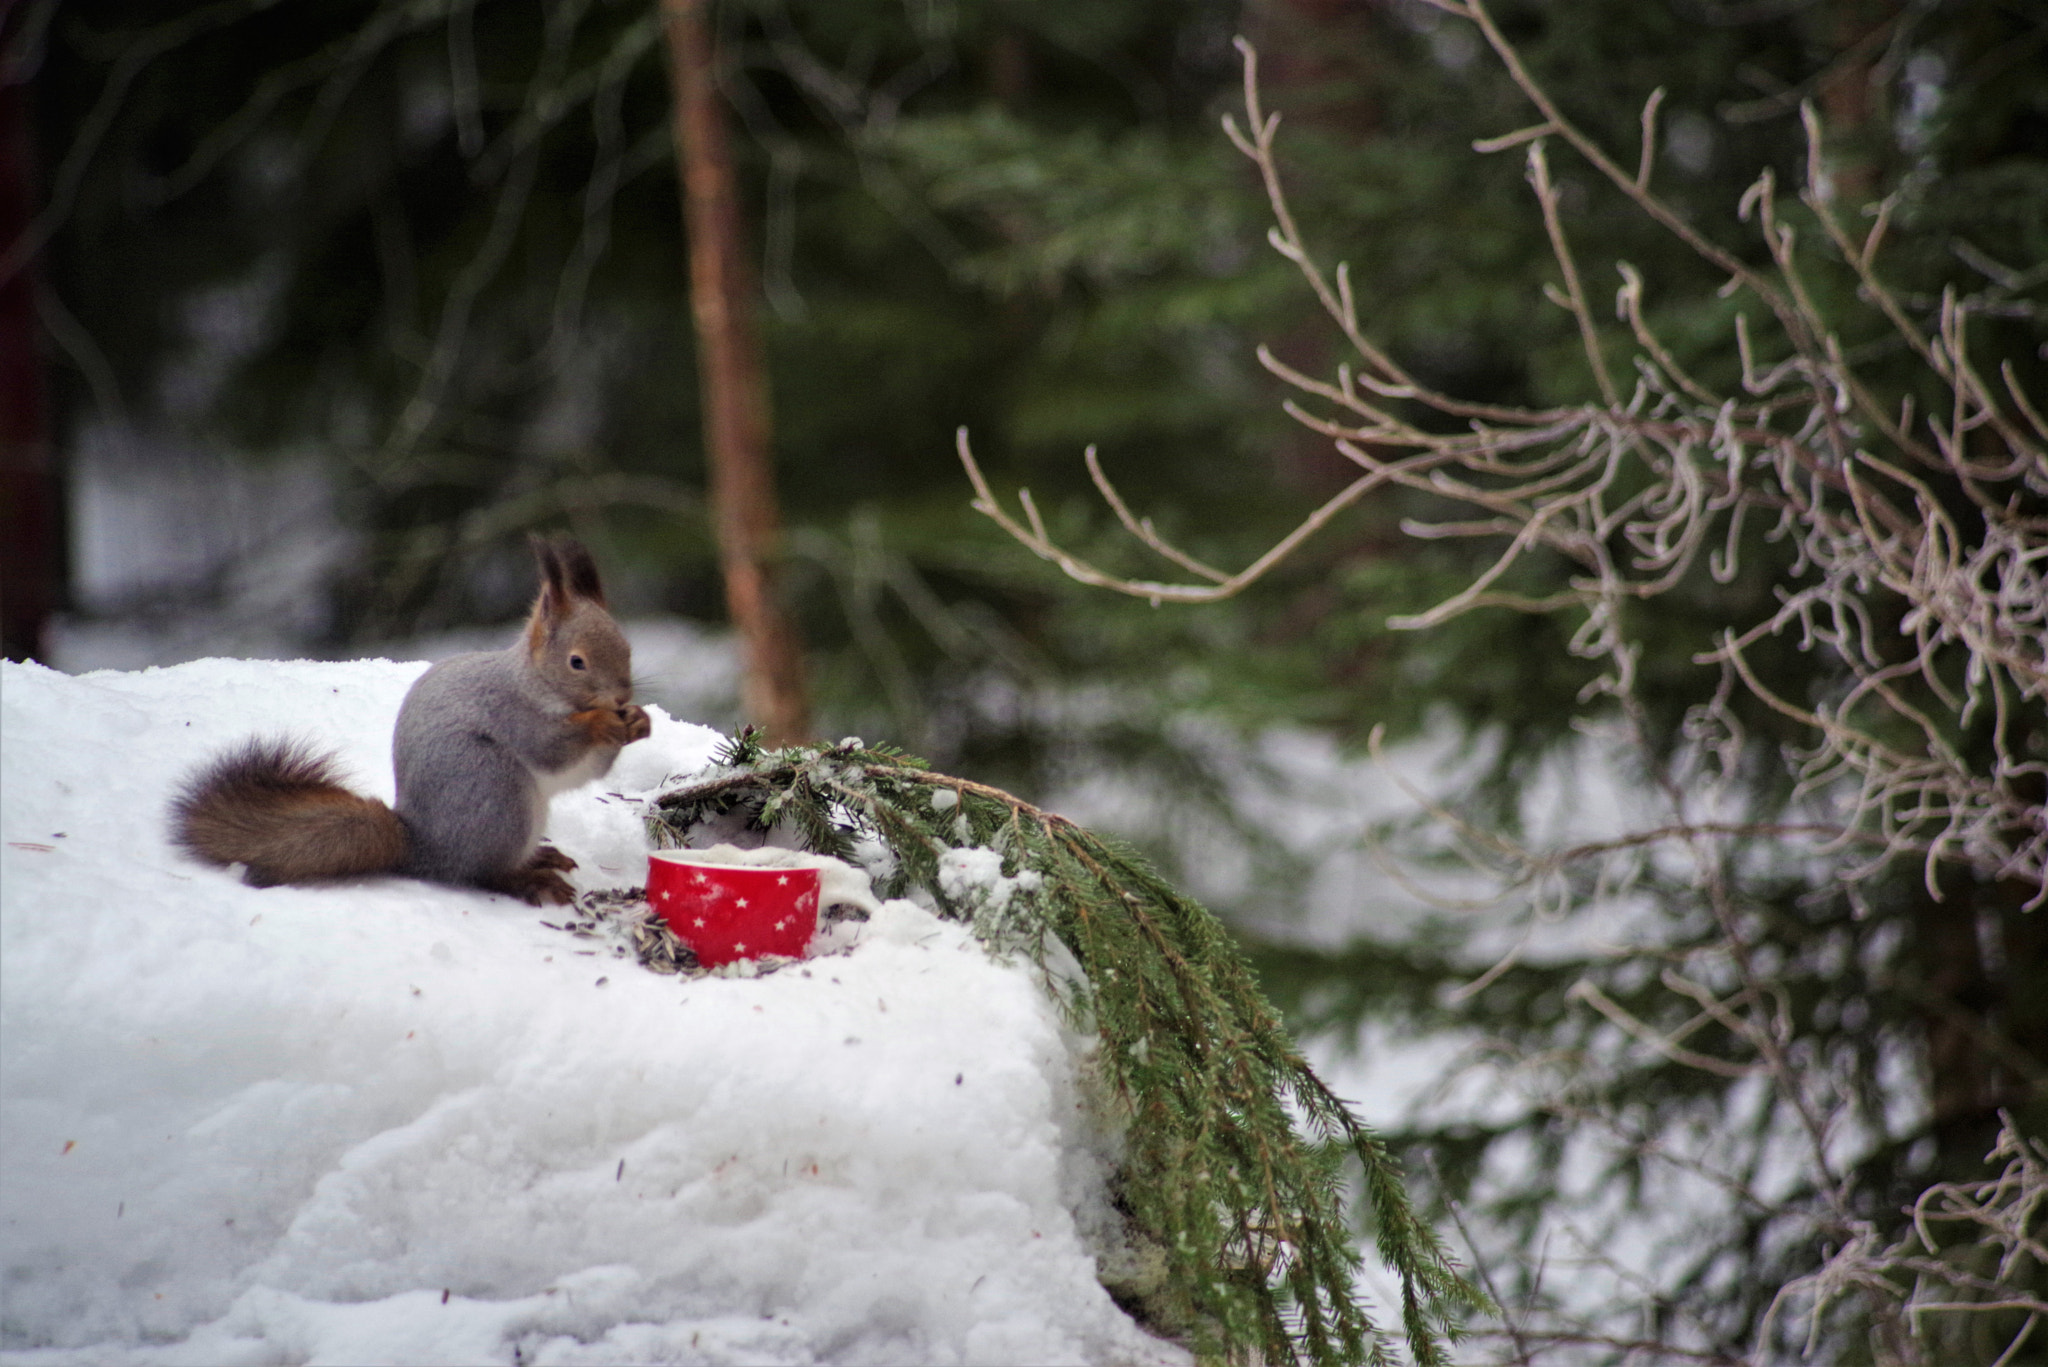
(277, 808)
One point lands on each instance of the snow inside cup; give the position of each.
(724, 910)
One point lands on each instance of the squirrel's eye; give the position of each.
(576, 662)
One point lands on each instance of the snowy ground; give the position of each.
(391, 1122)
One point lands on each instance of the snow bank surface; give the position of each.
(396, 1123)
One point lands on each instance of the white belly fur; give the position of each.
(546, 785)
(591, 766)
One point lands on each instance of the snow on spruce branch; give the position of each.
(1909, 550)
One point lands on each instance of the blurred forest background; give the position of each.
(313, 310)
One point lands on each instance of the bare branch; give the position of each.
(1143, 529)
(1649, 152)
(1910, 561)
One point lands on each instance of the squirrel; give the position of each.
(482, 742)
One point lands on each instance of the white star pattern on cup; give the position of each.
(699, 923)
(742, 901)
(738, 948)
(782, 881)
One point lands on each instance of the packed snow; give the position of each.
(389, 1122)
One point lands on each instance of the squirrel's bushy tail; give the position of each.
(277, 808)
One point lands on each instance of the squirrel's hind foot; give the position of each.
(537, 886)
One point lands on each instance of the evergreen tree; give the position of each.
(1803, 1042)
(446, 237)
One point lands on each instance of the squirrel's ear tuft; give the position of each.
(551, 605)
(579, 570)
(549, 562)
(566, 573)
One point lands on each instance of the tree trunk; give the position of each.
(734, 384)
(31, 527)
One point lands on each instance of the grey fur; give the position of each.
(476, 737)
(482, 742)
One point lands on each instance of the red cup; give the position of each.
(733, 911)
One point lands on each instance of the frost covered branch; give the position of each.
(1937, 1269)
(1917, 542)
(1902, 543)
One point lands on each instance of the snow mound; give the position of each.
(388, 1122)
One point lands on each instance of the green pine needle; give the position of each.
(1245, 1208)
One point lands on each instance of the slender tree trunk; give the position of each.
(734, 384)
(31, 526)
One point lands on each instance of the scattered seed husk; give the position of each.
(622, 919)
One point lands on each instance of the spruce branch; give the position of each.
(1246, 1204)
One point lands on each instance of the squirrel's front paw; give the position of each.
(638, 726)
(613, 726)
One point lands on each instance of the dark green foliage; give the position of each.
(1246, 1208)
(441, 245)
(1854, 1006)
(1020, 217)
(1732, 1090)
